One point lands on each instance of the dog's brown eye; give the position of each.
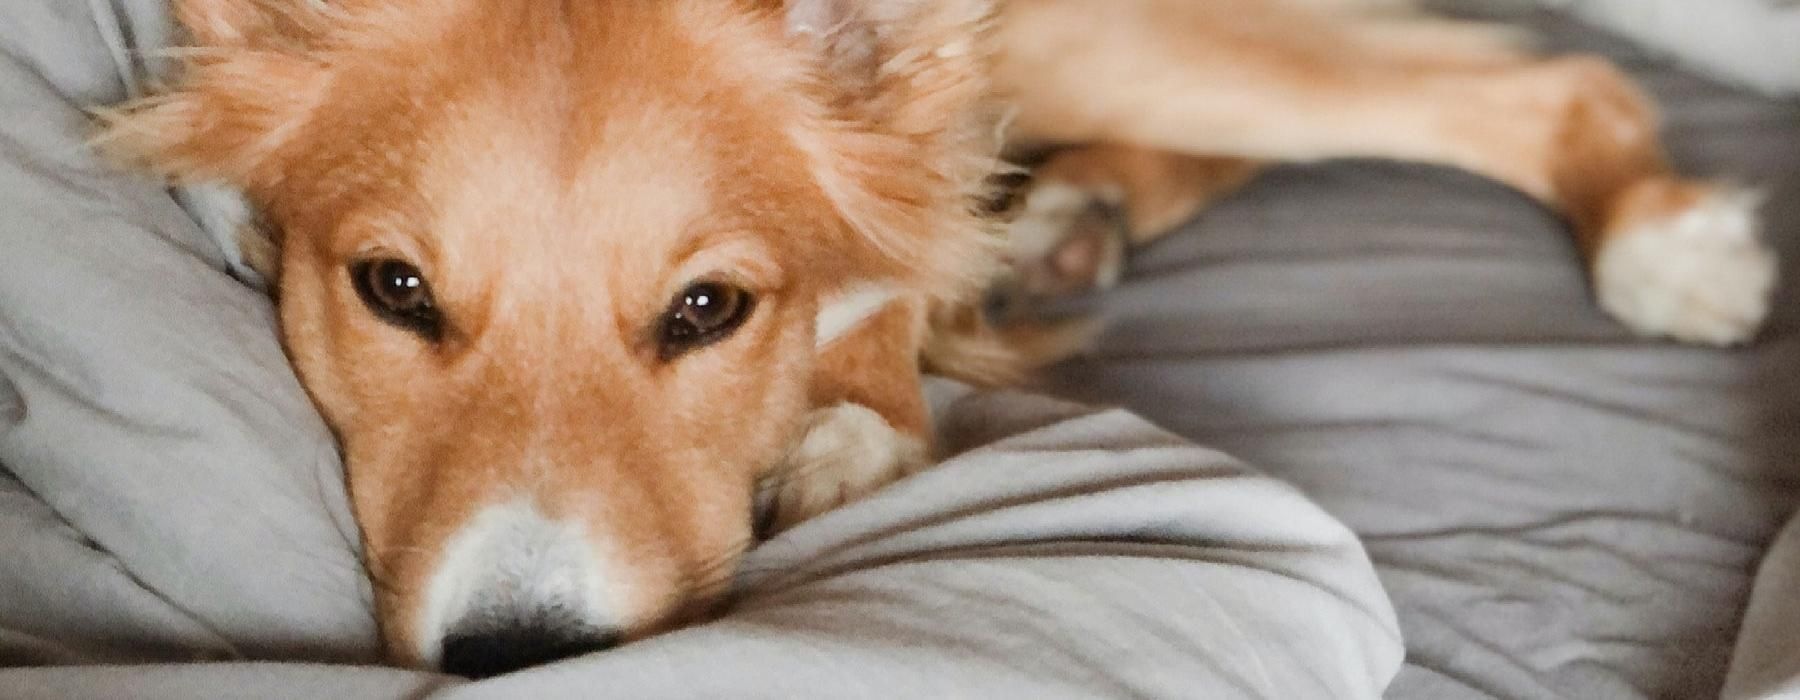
(397, 293)
(702, 314)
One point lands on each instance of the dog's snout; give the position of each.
(494, 650)
(515, 587)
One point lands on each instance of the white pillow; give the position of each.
(1749, 43)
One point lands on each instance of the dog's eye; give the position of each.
(397, 293)
(702, 314)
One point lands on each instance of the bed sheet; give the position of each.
(1557, 508)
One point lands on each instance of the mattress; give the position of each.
(1557, 509)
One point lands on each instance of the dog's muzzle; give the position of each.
(514, 589)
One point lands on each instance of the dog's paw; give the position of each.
(848, 452)
(1701, 275)
(1063, 240)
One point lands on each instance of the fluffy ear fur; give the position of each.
(911, 64)
(241, 93)
(912, 142)
(252, 23)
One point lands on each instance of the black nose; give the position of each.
(491, 652)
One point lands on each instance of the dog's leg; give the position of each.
(1087, 204)
(1268, 80)
(870, 427)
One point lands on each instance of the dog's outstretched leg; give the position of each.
(1283, 81)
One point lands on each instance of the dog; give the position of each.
(596, 293)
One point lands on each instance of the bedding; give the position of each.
(1766, 663)
(169, 496)
(1557, 509)
(1751, 43)
(151, 403)
(1071, 552)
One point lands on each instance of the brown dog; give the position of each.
(580, 284)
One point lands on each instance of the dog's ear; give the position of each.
(913, 64)
(250, 23)
(905, 84)
(241, 92)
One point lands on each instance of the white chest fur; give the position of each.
(841, 313)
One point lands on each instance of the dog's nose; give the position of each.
(489, 652)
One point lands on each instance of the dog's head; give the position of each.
(552, 270)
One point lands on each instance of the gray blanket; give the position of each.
(1558, 509)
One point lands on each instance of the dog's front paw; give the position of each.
(848, 452)
(1701, 274)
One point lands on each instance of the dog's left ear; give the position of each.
(244, 90)
(911, 139)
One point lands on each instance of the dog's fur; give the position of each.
(539, 476)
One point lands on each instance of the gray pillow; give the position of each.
(159, 454)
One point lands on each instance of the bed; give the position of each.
(1466, 481)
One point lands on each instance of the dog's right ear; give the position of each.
(908, 143)
(241, 93)
(917, 64)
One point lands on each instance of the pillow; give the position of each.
(170, 478)
(1749, 43)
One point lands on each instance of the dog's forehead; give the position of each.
(606, 222)
(606, 161)
(635, 174)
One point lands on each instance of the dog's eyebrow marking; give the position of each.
(843, 312)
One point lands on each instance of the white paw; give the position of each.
(1703, 276)
(848, 452)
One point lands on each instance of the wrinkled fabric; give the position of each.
(181, 479)
(1766, 663)
(1557, 508)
